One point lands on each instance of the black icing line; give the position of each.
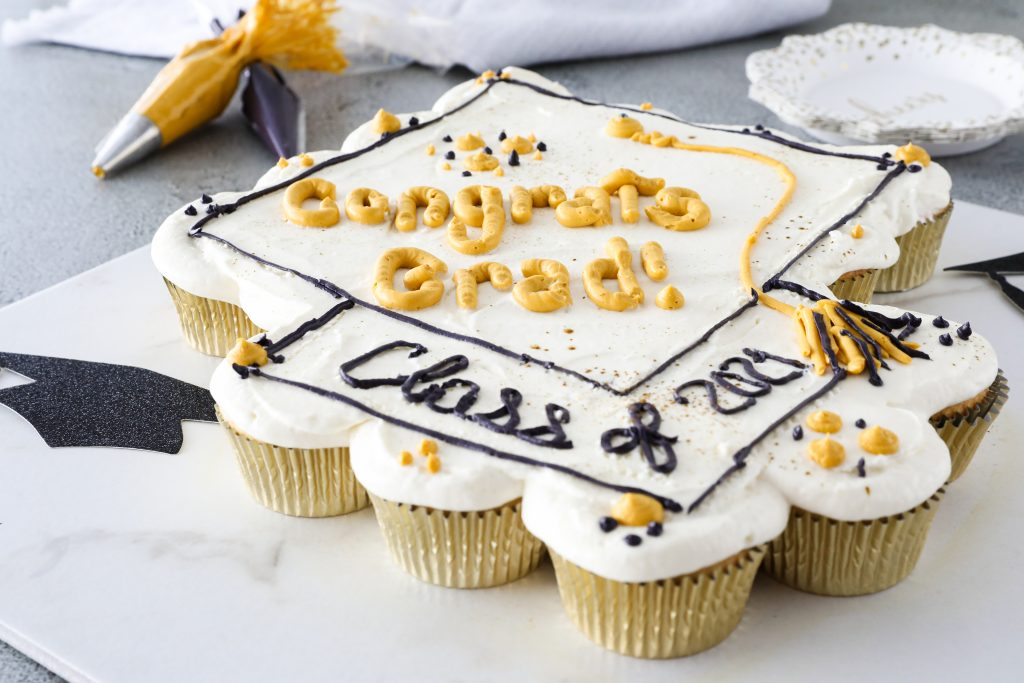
(669, 503)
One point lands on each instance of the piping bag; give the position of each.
(199, 82)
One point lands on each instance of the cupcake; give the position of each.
(919, 247)
(856, 285)
(447, 518)
(865, 482)
(303, 480)
(963, 425)
(210, 326)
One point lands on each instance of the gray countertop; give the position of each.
(58, 102)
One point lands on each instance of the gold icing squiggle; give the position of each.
(618, 265)
(424, 267)
(366, 206)
(545, 287)
(467, 281)
(435, 213)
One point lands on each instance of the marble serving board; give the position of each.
(119, 565)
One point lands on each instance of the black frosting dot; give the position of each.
(211, 208)
(746, 130)
(190, 210)
(447, 138)
(940, 322)
(886, 155)
(449, 155)
(860, 468)
(206, 199)
(502, 136)
(914, 168)
(541, 147)
(513, 158)
(633, 540)
(654, 529)
(759, 127)
(861, 424)
(466, 174)
(413, 121)
(882, 167)
(488, 150)
(798, 433)
(945, 339)
(607, 524)
(964, 331)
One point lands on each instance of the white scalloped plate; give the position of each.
(952, 92)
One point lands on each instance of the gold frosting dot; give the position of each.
(430, 150)
(670, 298)
(499, 171)
(428, 447)
(282, 163)
(385, 122)
(305, 160)
(646, 106)
(485, 76)
(623, 127)
(446, 166)
(481, 161)
(433, 463)
(405, 458)
(248, 353)
(824, 421)
(637, 509)
(879, 440)
(518, 143)
(910, 153)
(826, 452)
(469, 142)
(857, 232)
(538, 156)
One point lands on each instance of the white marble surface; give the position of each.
(123, 565)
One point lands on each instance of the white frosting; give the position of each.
(751, 506)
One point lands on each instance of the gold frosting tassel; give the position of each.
(198, 84)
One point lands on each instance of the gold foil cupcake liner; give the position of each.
(210, 326)
(477, 549)
(919, 251)
(963, 433)
(818, 554)
(304, 482)
(857, 287)
(659, 619)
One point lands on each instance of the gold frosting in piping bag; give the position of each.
(197, 85)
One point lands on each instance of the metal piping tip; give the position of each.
(134, 137)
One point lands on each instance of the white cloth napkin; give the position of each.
(479, 34)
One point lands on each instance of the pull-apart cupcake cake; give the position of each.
(523, 323)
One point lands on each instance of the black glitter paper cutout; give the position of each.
(81, 403)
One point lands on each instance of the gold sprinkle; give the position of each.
(637, 509)
(857, 232)
(826, 452)
(248, 353)
(99, 172)
(433, 463)
(446, 166)
(567, 330)
(499, 171)
(824, 421)
(405, 458)
(879, 440)
(428, 447)
(282, 163)
(538, 156)
(646, 106)
(431, 150)
(305, 160)
(485, 76)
